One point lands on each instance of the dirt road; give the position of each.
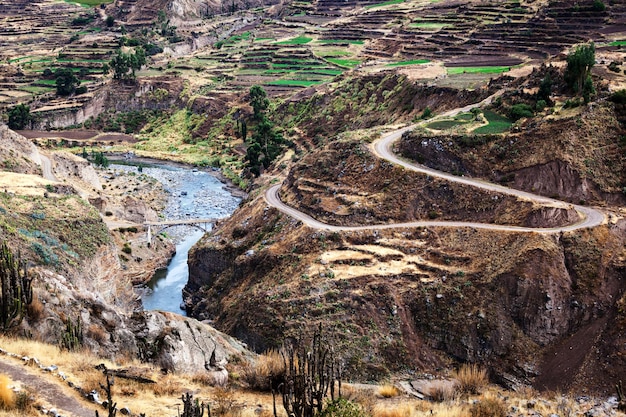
(46, 168)
(382, 148)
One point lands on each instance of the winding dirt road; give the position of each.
(589, 217)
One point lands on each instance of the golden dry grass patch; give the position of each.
(388, 391)
(7, 396)
(472, 379)
(23, 184)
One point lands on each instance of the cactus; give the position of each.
(311, 372)
(193, 408)
(16, 288)
(621, 397)
(73, 336)
(110, 405)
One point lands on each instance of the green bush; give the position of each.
(342, 408)
(618, 97)
(19, 117)
(540, 105)
(598, 6)
(519, 111)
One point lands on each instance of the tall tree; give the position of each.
(19, 117)
(545, 89)
(66, 81)
(258, 100)
(579, 64)
(125, 64)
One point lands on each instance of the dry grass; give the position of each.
(163, 398)
(472, 379)
(23, 403)
(388, 391)
(267, 367)
(397, 410)
(35, 310)
(7, 396)
(168, 386)
(224, 402)
(442, 391)
(97, 333)
(488, 406)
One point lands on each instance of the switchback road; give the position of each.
(382, 148)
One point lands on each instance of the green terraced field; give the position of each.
(476, 70)
(300, 40)
(497, 124)
(322, 71)
(294, 83)
(340, 41)
(386, 3)
(89, 3)
(428, 25)
(445, 124)
(349, 63)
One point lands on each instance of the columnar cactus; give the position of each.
(16, 288)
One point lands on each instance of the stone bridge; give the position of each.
(157, 227)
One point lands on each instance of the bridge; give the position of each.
(202, 224)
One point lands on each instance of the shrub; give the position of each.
(618, 97)
(25, 403)
(427, 113)
(127, 249)
(598, 6)
(519, 111)
(341, 408)
(471, 378)
(389, 391)
(614, 66)
(266, 372)
(7, 396)
(442, 391)
(488, 407)
(570, 104)
(19, 117)
(541, 105)
(35, 310)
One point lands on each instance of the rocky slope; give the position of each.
(80, 280)
(545, 310)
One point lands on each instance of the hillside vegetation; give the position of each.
(295, 94)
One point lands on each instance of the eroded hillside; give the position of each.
(537, 308)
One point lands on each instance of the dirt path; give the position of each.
(46, 168)
(382, 148)
(45, 390)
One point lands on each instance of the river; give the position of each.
(192, 194)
